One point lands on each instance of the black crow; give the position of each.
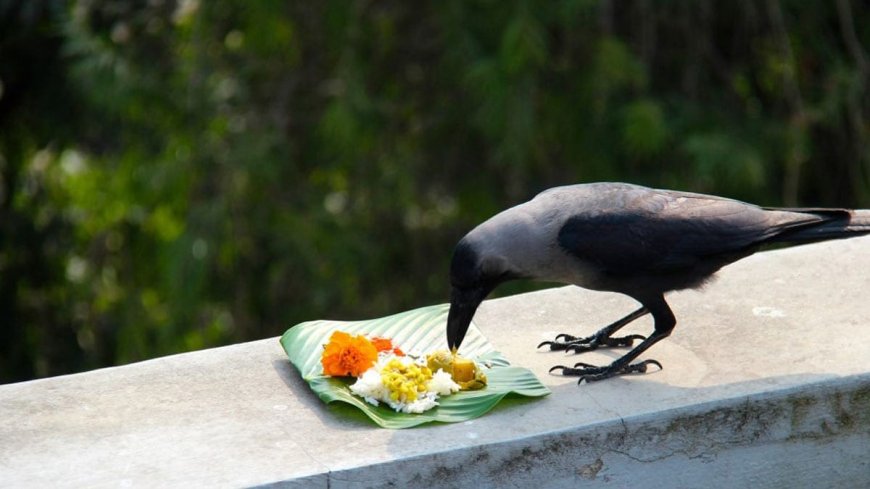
(623, 238)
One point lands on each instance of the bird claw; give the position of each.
(592, 373)
(623, 340)
(585, 365)
(557, 367)
(578, 364)
(570, 341)
(579, 348)
(590, 343)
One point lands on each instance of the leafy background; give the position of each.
(177, 175)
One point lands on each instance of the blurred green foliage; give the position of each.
(182, 174)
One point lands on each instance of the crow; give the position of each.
(619, 237)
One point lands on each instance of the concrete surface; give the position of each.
(766, 383)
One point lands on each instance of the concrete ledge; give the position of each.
(811, 436)
(766, 384)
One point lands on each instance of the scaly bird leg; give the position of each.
(600, 339)
(664, 324)
(592, 373)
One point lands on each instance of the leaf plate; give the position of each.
(421, 331)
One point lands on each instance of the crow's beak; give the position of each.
(463, 304)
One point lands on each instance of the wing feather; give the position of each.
(645, 230)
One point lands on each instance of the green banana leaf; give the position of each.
(422, 331)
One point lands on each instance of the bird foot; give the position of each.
(592, 373)
(566, 342)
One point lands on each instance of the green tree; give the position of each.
(185, 174)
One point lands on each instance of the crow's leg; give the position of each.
(664, 324)
(600, 339)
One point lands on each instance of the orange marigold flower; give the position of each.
(386, 344)
(348, 355)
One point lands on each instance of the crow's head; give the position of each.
(474, 272)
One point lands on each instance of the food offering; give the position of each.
(410, 383)
(397, 371)
(464, 371)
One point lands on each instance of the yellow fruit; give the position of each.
(463, 369)
(441, 359)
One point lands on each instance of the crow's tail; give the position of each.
(834, 224)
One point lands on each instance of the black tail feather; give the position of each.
(836, 224)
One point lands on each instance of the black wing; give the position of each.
(662, 231)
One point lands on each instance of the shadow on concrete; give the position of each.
(336, 414)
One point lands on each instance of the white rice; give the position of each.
(442, 384)
(370, 387)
